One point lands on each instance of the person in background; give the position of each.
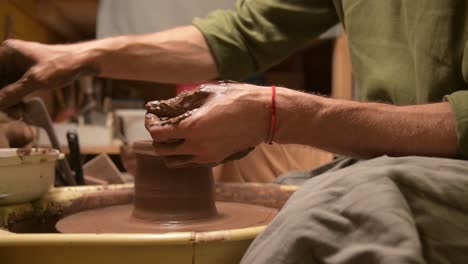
(400, 197)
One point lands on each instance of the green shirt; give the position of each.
(402, 51)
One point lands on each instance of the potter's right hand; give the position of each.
(28, 66)
(214, 124)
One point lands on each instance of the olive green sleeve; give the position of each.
(259, 33)
(459, 103)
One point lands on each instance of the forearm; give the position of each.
(172, 56)
(366, 129)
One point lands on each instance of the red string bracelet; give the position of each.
(271, 132)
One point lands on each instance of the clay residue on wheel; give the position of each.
(174, 110)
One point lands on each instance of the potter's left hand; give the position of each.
(214, 122)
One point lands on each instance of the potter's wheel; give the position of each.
(119, 219)
(168, 200)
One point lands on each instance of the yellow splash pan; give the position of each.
(27, 233)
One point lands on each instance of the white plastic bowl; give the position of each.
(26, 175)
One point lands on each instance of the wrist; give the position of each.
(297, 116)
(284, 114)
(94, 54)
(273, 112)
(272, 127)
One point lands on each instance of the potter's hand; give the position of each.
(209, 125)
(28, 66)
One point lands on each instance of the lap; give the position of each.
(385, 210)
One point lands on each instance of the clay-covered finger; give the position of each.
(196, 163)
(171, 148)
(13, 93)
(167, 133)
(178, 161)
(151, 120)
(238, 155)
(174, 110)
(13, 65)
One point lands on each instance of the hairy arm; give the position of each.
(366, 129)
(239, 118)
(177, 55)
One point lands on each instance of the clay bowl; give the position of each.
(224, 246)
(26, 175)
